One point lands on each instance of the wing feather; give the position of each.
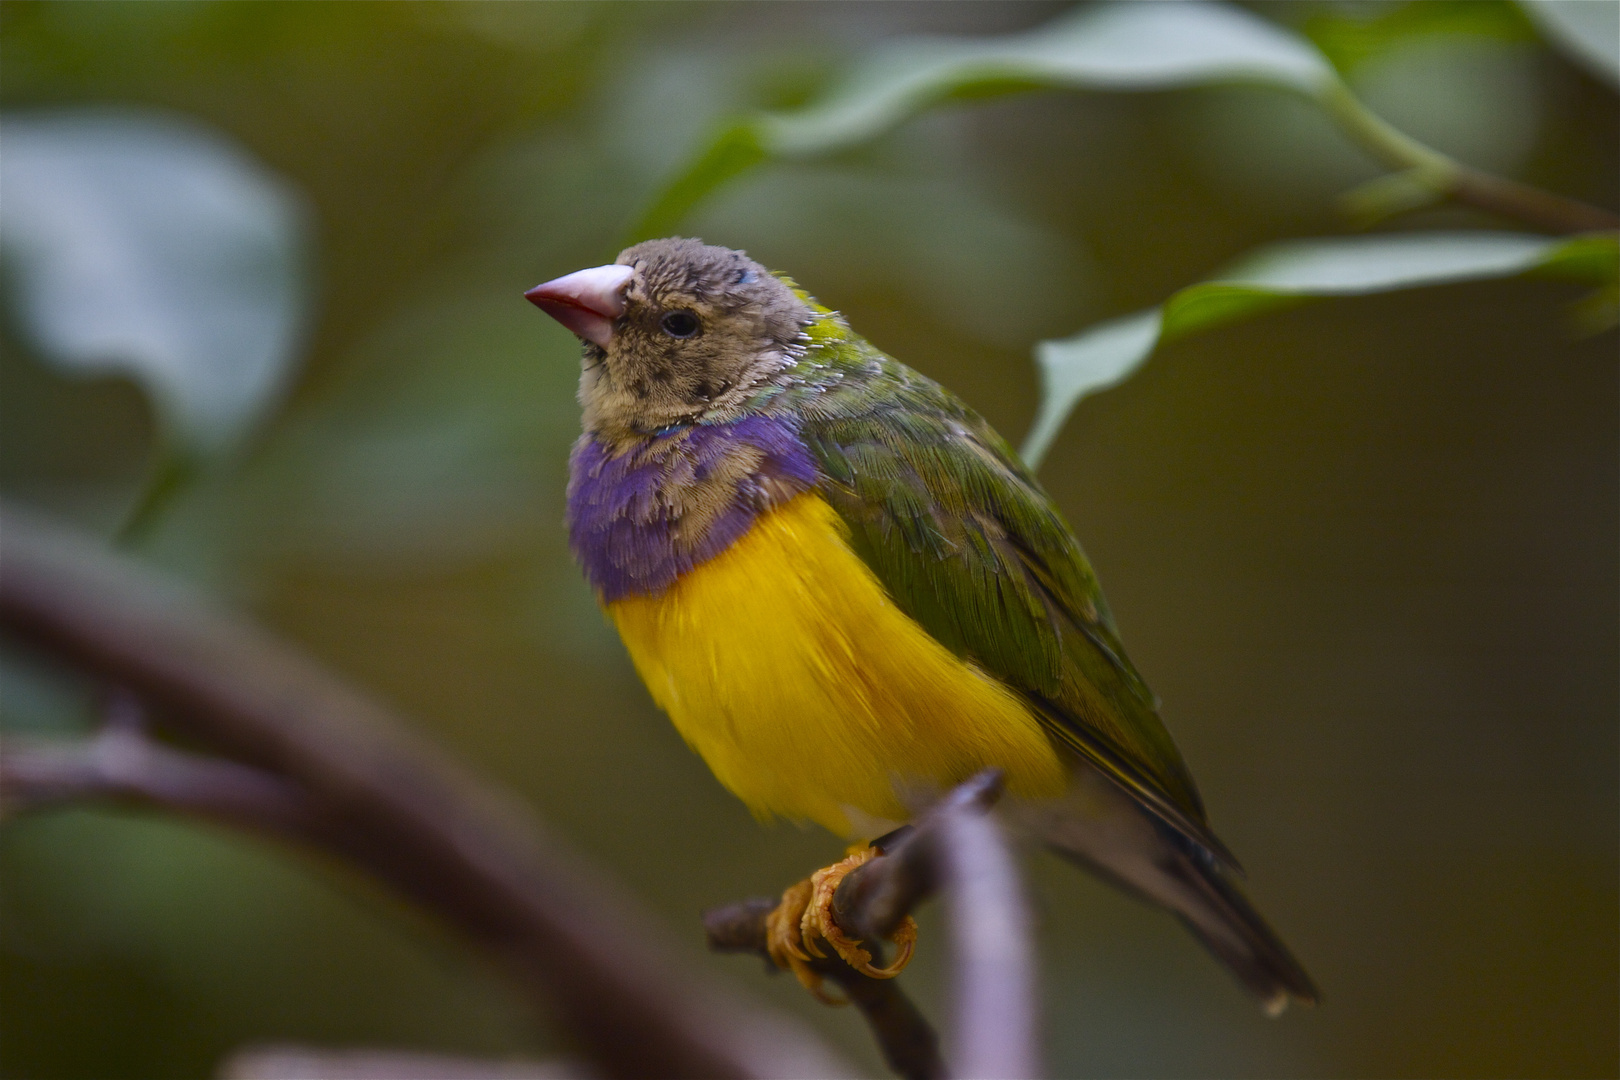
(969, 545)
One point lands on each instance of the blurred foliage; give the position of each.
(1588, 33)
(1349, 36)
(136, 242)
(1287, 274)
(1171, 44)
(1363, 550)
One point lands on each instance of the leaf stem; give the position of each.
(171, 473)
(1423, 167)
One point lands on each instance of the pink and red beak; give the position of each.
(586, 301)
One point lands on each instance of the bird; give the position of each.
(848, 593)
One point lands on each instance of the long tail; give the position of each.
(1100, 827)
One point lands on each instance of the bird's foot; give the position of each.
(804, 920)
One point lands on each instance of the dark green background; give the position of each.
(1364, 550)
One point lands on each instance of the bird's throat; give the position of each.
(639, 516)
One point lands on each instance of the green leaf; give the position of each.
(1588, 31)
(1593, 259)
(1116, 46)
(1124, 46)
(1091, 360)
(142, 244)
(1286, 274)
(1348, 36)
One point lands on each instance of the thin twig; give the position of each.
(906, 1039)
(873, 900)
(393, 805)
(958, 847)
(1531, 205)
(308, 1063)
(1419, 168)
(124, 765)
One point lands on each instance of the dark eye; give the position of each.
(679, 324)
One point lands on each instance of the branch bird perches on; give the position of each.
(955, 846)
(292, 752)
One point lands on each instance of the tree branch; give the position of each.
(956, 845)
(1531, 205)
(305, 1063)
(309, 744)
(127, 766)
(871, 902)
(904, 1036)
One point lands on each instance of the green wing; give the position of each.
(970, 546)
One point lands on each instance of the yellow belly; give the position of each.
(784, 663)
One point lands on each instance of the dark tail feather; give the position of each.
(1227, 923)
(1100, 828)
(1217, 913)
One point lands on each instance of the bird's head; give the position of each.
(674, 331)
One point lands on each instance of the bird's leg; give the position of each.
(805, 918)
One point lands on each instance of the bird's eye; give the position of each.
(679, 324)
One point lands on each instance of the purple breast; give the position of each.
(635, 521)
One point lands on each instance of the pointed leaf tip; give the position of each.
(1291, 273)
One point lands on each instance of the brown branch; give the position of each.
(871, 902)
(904, 1036)
(386, 801)
(127, 766)
(957, 847)
(306, 1063)
(1531, 205)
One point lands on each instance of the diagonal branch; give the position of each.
(904, 1036)
(283, 1062)
(958, 847)
(380, 798)
(127, 766)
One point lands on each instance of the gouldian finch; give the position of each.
(849, 594)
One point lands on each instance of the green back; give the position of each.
(969, 545)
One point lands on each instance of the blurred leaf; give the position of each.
(1091, 360)
(1119, 46)
(1287, 274)
(1592, 258)
(1113, 46)
(1588, 31)
(1350, 35)
(1597, 311)
(143, 244)
(1475, 97)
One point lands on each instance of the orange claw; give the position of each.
(805, 916)
(785, 942)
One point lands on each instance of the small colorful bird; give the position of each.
(849, 594)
